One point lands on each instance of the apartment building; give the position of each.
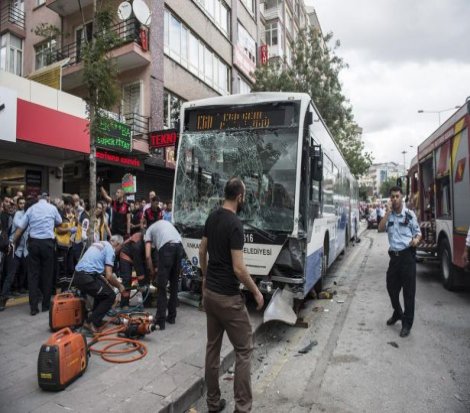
(282, 20)
(379, 173)
(191, 49)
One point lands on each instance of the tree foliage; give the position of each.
(314, 69)
(386, 185)
(99, 76)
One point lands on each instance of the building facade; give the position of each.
(190, 49)
(282, 20)
(377, 174)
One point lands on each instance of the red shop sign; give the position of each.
(163, 138)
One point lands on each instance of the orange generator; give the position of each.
(62, 359)
(67, 310)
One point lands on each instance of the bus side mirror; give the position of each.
(308, 118)
(399, 182)
(316, 163)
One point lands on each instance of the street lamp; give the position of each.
(404, 160)
(438, 112)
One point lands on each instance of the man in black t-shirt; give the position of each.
(224, 305)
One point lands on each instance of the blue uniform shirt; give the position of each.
(401, 229)
(42, 218)
(96, 257)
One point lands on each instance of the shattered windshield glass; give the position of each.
(265, 159)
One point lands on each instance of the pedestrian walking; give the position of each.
(94, 276)
(403, 235)
(42, 218)
(163, 236)
(223, 240)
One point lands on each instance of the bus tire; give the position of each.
(447, 268)
(324, 266)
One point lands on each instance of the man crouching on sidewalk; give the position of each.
(99, 260)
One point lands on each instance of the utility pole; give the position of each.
(404, 162)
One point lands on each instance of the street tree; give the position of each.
(99, 76)
(386, 185)
(314, 69)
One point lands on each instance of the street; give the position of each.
(352, 362)
(359, 364)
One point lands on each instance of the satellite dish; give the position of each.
(124, 10)
(141, 12)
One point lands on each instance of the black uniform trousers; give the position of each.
(401, 274)
(103, 295)
(40, 271)
(169, 264)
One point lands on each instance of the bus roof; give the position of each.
(246, 99)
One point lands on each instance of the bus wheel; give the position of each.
(324, 266)
(447, 268)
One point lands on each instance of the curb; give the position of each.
(17, 301)
(183, 402)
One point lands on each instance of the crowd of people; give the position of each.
(59, 247)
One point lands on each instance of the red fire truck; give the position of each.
(439, 191)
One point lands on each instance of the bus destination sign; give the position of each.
(248, 117)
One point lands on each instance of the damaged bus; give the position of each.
(301, 201)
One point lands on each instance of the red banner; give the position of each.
(264, 54)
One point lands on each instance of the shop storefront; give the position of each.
(41, 130)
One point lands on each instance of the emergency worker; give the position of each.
(89, 279)
(403, 236)
(223, 240)
(41, 218)
(132, 255)
(165, 238)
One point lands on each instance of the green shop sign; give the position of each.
(114, 135)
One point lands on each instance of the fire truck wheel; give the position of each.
(447, 268)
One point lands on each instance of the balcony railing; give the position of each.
(139, 124)
(11, 15)
(126, 31)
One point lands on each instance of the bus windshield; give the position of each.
(266, 160)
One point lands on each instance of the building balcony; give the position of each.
(12, 19)
(67, 7)
(140, 124)
(128, 53)
(273, 13)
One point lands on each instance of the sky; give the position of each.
(403, 56)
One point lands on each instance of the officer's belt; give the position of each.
(399, 253)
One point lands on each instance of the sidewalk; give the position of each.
(168, 379)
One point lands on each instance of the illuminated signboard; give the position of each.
(163, 138)
(273, 115)
(114, 135)
(120, 160)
